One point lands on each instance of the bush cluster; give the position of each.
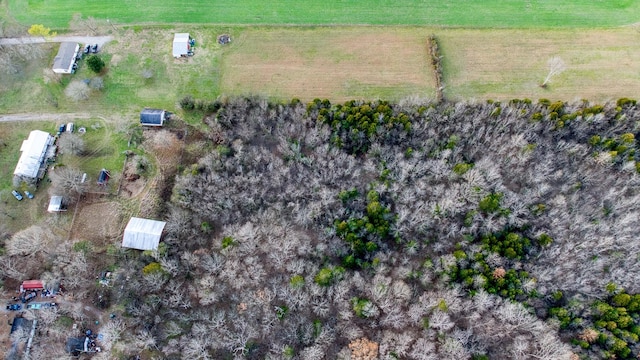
(355, 125)
(363, 232)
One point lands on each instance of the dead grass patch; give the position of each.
(334, 63)
(505, 64)
(99, 222)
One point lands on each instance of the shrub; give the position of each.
(324, 277)
(297, 281)
(187, 103)
(227, 241)
(490, 203)
(152, 268)
(95, 63)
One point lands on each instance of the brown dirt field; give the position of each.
(98, 222)
(130, 187)
(505, 64)
(336, 63)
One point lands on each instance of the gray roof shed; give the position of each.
(152, 117)
(142, 234)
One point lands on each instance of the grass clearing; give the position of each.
(462, 13)
(504, 64)
(335, 63)
(338, 63)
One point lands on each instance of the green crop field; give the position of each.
(459, 13)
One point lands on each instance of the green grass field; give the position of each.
(457, 13)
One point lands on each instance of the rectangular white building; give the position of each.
(34, 155)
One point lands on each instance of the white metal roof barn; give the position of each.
(142, 234)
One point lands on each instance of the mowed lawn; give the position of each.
(504, 64)
(463, 13)
(334, 63)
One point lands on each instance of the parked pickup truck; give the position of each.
(38, 306)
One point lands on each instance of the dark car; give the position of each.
(14, 307)
(16, 194)
(87, 49)
(94, 48)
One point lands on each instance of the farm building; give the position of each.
(30, 285)
(152, 117)
(142, 234)
(36, 149)
(55, 204)
(66, 58)
(181, 45)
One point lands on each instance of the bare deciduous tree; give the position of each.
(67, 181)
(556, 66)
(77, 90)
(71, 144)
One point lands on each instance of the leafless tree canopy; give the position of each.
(556, 67)
(253, 226)
(77, 90)
(70, 144)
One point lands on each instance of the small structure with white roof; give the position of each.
(55, 204)
(181, 45)
(142, 234)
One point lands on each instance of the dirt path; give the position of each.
(100, 40)
(44, 116)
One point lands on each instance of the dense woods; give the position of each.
(423, 231)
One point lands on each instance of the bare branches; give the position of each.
(556, 66)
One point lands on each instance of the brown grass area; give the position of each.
(98, 222)
(335, 63)
(505, 64)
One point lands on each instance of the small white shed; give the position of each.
(181, 45)
(142, 234)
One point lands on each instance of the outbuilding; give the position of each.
(36, 149)
(152, 117)
(142, 234)
(64, 62)
(181, 45)
(31, 285)
(55, 204)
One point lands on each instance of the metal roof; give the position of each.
(65, 58)
(180, 44)
(55, 204)
(153, 117)
(142, 234)
(34, 151)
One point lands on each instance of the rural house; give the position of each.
(36, 149)
(65, 60)
(142, 234)
(152, 117)
(182, 45)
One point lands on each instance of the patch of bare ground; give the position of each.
(167, 146)
(132, 183)
(98, 222)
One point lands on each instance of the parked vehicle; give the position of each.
(87, 49)
(29, 195)
(30, 296)
(16, 194)
(14, 307)
(94, 49)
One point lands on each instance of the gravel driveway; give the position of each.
(100, 40)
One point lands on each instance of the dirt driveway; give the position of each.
(100, 40)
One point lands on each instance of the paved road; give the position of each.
(100, 40)
(44, 117)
